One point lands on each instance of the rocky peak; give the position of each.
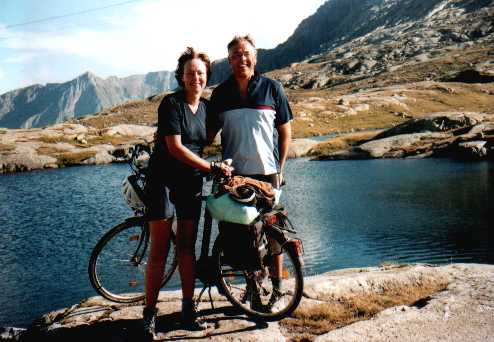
(38, 105)
(340, 28)
(426, 35)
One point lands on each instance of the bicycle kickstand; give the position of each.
(209, 293)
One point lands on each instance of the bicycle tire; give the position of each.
(233, 283)
(117, 263)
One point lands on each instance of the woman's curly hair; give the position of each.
(186, 56)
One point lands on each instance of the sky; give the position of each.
(53, 41)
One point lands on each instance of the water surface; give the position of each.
(349, 214)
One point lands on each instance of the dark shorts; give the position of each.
(169, 194)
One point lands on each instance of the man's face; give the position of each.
(242, 58)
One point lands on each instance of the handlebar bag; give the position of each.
(224, 208)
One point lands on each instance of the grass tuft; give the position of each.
(342, 142)
(309, 321)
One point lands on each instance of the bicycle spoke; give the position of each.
(118, 263)
(256, 293)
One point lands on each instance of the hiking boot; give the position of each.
(275, 297)
(256, 303)
(149, 323)
(253, 296)
(189, 316)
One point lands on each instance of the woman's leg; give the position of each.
(186, 241)
(160, 233)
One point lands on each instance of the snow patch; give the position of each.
(438, 8)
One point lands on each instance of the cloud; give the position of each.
(151, 34)
(19, 58)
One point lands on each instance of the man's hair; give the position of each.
(237, 39)
(186, 56)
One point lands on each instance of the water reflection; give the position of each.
(393, 210)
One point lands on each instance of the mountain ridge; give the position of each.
(40, 105)
(343, 41)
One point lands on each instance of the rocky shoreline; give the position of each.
(458, 135)
(70, 144)
(457, 305)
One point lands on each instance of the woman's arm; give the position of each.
(182, 153)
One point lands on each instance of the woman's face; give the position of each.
(195, 75)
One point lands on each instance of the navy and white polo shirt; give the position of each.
(249, 135)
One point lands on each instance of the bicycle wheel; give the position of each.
(252, 291)
(118, 262)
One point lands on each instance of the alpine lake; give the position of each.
(348, 214)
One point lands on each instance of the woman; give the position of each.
(175, 182)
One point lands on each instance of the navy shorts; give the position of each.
(169, 194)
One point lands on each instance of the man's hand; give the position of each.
(281, 180)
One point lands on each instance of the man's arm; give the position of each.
(284, 140)
(212, 124)
(211, 135)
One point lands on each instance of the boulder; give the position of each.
(369, 64)
(122, 153)
(472, 150)
(361, 107)
(318, 81)
(402, 145)
(25, 158)
(103, 156)
(437, 122)
(486, 128)
(471, 76)
(10, 334)
(130, 130)
(301, 147)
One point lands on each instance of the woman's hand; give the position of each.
(224, 167)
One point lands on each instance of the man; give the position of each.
(254, 115)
